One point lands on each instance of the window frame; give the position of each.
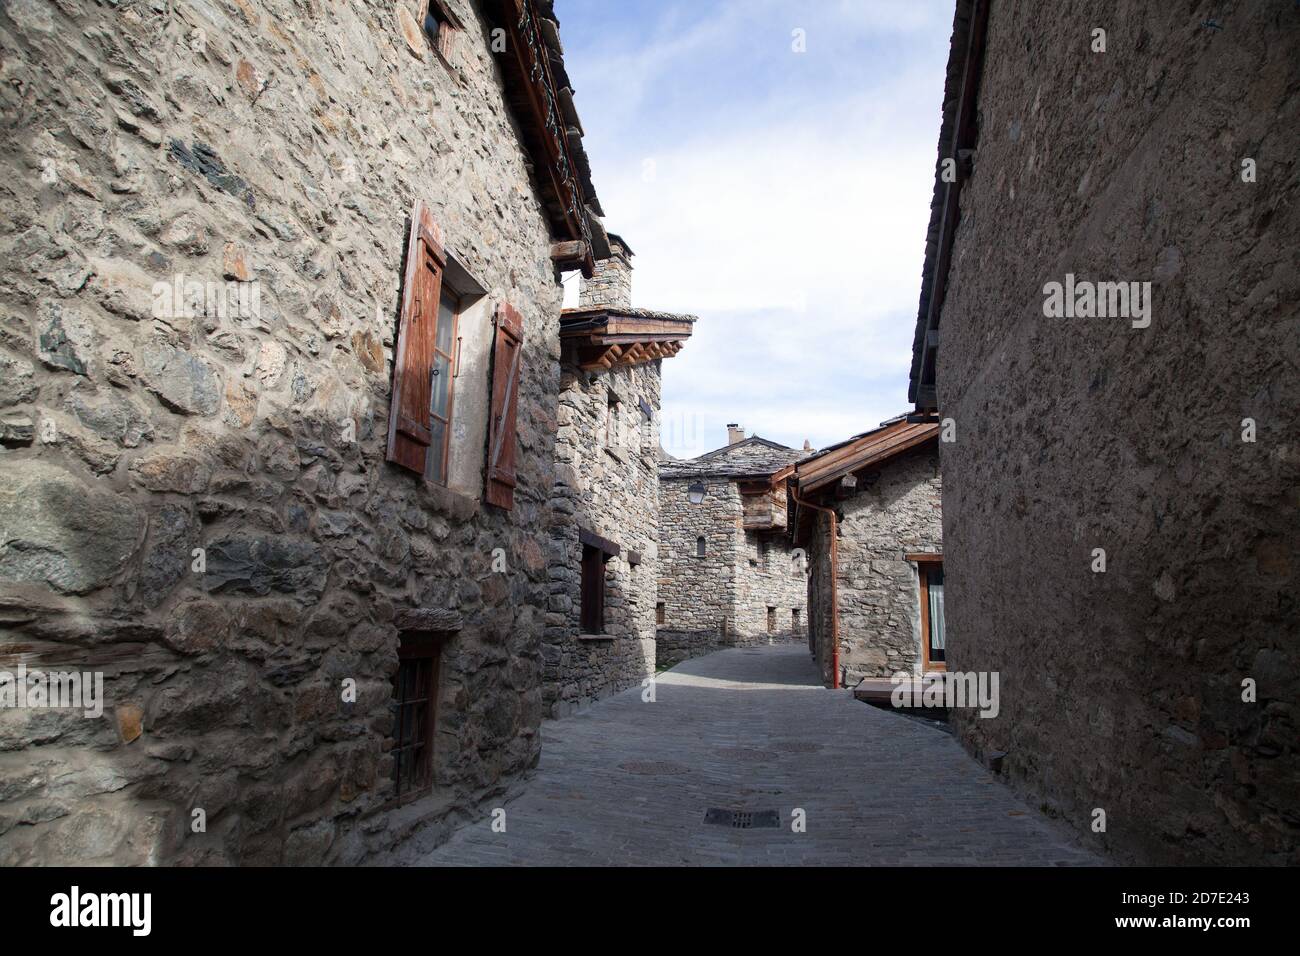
(591, 593)
(412, 648)
(453, 371)
(925, 563)
(592, 582)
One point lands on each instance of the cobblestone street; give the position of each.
(630, 782)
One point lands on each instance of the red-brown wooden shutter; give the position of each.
(408, 418)
(507, 357)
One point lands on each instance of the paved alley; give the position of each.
(629, 782)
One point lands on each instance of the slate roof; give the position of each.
(572, 317)
(754, 457)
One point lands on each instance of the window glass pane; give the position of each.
(446, 322)
(441, 387)
(936, 613)
(437, 470)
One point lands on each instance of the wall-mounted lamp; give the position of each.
(695, 493)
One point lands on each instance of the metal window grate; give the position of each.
(415, 697)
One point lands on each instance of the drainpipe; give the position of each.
(835, 603)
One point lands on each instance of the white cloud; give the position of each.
(793, 224)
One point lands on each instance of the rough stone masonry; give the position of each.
(606, 492)
(193, 496)
(728, 572)
(1161, 691)
(896, 511)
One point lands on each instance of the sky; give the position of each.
(781, 196)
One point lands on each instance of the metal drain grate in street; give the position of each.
(742, 819)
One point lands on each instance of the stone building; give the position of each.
(1121, 523)
(867, 512)
(600, 625)
(279, 328)
(728, 574)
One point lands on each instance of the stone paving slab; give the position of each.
(629, 782)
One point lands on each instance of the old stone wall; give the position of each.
(769, 575)
(284, 145)
(697, 592)
(1122, 690)
(606, 482)
(720, 599)
(893, 515)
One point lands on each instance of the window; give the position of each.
(613, 425)
(699, 546)
(771, 619)
(794, 619)
(647, 426)
(764, 553)
(659, 613)
(596, 551)
(415, 699)
(933, 644)
(592, 609)
(443, 379)
(440, 419)
(440, 27)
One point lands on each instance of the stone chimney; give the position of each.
(611, 286)
(735, 433)
(807, 445)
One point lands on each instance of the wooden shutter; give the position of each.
(409, 434)
(507, 357)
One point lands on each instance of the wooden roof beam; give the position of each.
(605, 361)
(570, 255)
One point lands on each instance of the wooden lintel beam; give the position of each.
(599, 542)
(570, 254)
